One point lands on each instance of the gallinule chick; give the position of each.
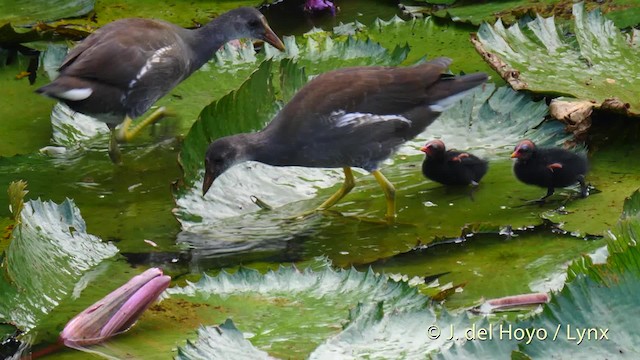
(549, 167)
(451, 167)
(118, 72)
(352, 117)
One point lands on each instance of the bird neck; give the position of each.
(249, 146)
(208, 39)
(265, 147)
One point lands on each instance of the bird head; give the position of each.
(250, 23)
(523, 150)
(433, 148)
(221, 155)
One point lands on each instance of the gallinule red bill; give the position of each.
(117, 73)
(549, 167)
(352, 117)
(450, 167)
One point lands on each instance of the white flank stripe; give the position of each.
(76, 94)
(154, 59)
(355, 119)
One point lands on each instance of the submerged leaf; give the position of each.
(595, 64)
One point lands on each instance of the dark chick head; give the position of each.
(433, 148)
(524, 150)
(248, 22)
(221, 155)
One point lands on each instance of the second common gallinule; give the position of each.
(549, 167)
(124, 67)
(351, 117)
(451, 167)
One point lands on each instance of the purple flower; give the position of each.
(313, 6)
(116, 312)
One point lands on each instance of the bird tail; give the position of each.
(450, 89)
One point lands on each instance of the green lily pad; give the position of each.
(623, 13)
(584, 305)
(491, 265)
(593, 65)
(181, 13)
(427, 38)
(270, 309)
(31, 11)
(410, 330)
(220, 342)
(49, 251)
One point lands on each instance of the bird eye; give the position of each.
(254, 23)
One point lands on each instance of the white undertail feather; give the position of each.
(75, 94)
(355, 119)
(443, 104)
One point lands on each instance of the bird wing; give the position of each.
(146, 46)
(376, 91)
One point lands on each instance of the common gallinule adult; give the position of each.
(352, 117)
(549, 167)
(123, 68)
(450, 167)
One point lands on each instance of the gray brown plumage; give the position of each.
(127, 65)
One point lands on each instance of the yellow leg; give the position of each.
(125, 134)
(114, 150)
(389, 193)
(347, 186)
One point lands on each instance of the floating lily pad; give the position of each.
(220, 342)
(624, 13)
(427, 38)
(585, 304)
(385, 318)
(491, 264)
(49, 252)
(30, 11)
(592, 65)
(270, 309)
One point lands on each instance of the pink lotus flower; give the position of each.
(313, 6)
(116, 312)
